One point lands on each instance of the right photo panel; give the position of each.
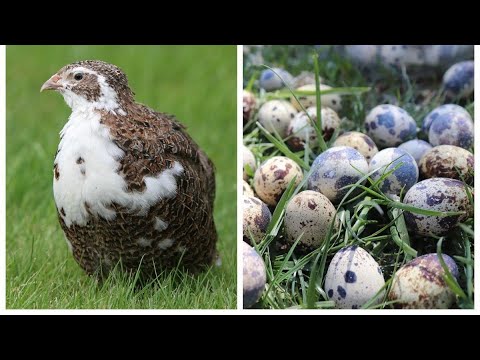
(358, 172)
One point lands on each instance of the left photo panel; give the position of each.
(121, 177)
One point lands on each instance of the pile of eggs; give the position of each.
(432, 173)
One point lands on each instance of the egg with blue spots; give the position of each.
(404, 177)
(442, 109)
(254, 276)
(271, 81)
(390, 125)
(437, 194)
(417, 148)
(419, 284)
(458, 80)
(334, 169)
(353, 279)
(452, 129)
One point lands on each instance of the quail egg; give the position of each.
(447, 161)
(254, 276)
(360, 142)
(451, 129)
(354, 278)
(442, 109)
(458, 80)
(417, 148)
(419, 284)
(332, 101)
(247, 190)
(363, 55)
(249, 105)
(271, 81)
(309, 213)
(334, 169)
(394, 55)
(273, 176)
(275, 116)
(304, 78)
(402, 178)
(389, 125)
(301, 130)
(248, 160)
(438, 194)
(256, 217)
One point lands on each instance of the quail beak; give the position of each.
(52, 84)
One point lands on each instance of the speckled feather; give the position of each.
(152, 142)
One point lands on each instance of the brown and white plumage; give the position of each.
(130, 184)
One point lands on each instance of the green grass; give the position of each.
(373, 221)
(198, 85)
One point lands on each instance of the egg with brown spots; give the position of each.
(256, 217)
(447, 161)
(249, 106)
(333, 101)
(359, 141)
(301, 131)
(419, 284)
(247, 189)
(437, 194)
(248, 160)
(308, 214)
(275, 115)
(353, 279)
(273, 176)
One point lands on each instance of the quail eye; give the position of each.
(78, 76)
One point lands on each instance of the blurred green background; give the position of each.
(198, 85)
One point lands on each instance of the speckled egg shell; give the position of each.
(249, 105)
(393, 55)
(309, 213)
(447, 161)
(438, 194)
(254, 276)
(275, 115)
(458, 80)
(419, 284)
(389, 125)
(360, 142)
(300, 131)
(273, 176)
(333, 101)
(270, 81)
(335, 168)
(402, 178)
(353, 278)
(256, 217)
(451, 129)
(248, 159)
(442, 109)
(417, 148)
(363, 55)
(247, 189)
